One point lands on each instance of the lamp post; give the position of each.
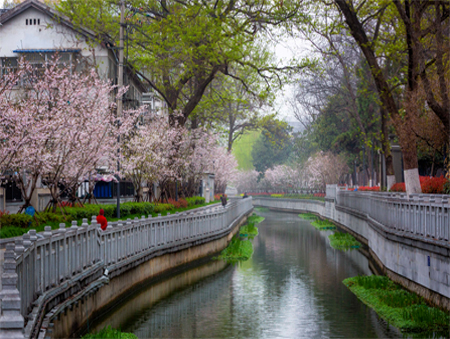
(119, 98)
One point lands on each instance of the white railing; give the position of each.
(424, 215)
(45, 263)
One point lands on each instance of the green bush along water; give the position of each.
(343, 241)
(323, 225)
(109, 333)
(240, 248)
(403, 309)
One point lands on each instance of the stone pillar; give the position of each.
(11, 321)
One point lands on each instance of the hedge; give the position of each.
(192, 201)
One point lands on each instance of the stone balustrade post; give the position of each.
(11, 321)
(26, 240)
(18, 248)
(47, 232)
(62, 228)
(33, 236)
(74, 224)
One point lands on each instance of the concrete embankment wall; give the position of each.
(92, 305)
(420, 264)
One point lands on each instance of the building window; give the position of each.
(8, 65)
(35, 21)
(26, 22)
(39, 21)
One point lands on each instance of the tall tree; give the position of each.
(179, 47)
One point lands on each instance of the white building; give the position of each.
(36, 32)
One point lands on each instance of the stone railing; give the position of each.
(424, 215)
(38, 266)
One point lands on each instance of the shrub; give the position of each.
(428, 185)
(109, 333)
(277, 195)
(159, 208)
(192, 201)
(217, 196)
(9, 232)
(44, 217)
(181, 203)
(368, 188)
(143, 208)
(16, 220)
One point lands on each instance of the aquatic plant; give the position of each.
(109, 333)
(323, 225)
(261, 209)
(403, 309)
(308, 216)
(255, 219)
(343, 241)
(237, 250)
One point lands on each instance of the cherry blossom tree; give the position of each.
(325, 168)
(246, 181)
(65, 123)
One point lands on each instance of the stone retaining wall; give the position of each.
(419, 263)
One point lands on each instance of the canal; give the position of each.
(290, 288)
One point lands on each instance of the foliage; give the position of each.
(368, 188)
(242, 150)
(16, 220)
(10, 232)
(237, 250)
(261, 209)
(428, 185)
(255, 219)
(273, 146)
(181, 203)
(323, 225)
(160, 208)
(192, 201)
(343, 241)
(178, 48)
(401, 308)
(109, 333)
(308, 216)
(217, 196)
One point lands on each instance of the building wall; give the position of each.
(49, 34)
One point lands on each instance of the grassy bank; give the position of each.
(240, 248)
(53, 220)
(109, 333)
(343, 241)
(402, 309)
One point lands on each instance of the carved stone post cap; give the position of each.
(74, 224)
(47, 231)
(62, 227)
(18, 248)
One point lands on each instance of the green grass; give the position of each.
(302, 196)
(255, 219)
(10, 231)
(242, 150)
(241, 249)
(343, 241)
(109, 333)
(323, 225)
(237, 250)
(308, 216)
(401, 308)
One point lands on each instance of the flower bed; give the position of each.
(428, 184)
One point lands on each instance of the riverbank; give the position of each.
(400, 308)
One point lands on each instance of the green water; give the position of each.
(291, 287)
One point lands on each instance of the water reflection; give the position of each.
(290, 288)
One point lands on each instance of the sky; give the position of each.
(285, 50)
